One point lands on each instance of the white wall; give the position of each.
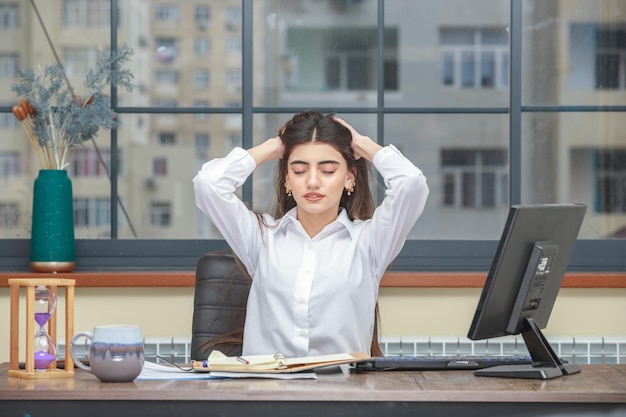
(404, 311)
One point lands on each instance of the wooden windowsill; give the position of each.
(390, 280)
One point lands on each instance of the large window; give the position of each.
(499, 102)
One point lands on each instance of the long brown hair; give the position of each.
(314, 126)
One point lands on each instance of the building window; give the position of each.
(92, 212)
(167, 13)
(8, 121)
(166, 49)
(202, 16)
(9, 65)
(349, 62)
(78, 61)
(9, 16)
(165, 76)
(86, 13)
(610, 59)
(166, 103)
(167, 138)
(159, 167)
(233, 46)
(611, 181)
(474, 178)
(348, 59)
(233, 17)
(9, 215)
(233, 78)
(201, 78)
(85, 163)
(9, 164)
(201, 141)
(474, 58)
(202, 46)
(160, 214)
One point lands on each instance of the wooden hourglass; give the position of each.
(45, 305)
(41, 298)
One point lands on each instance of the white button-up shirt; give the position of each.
(311, 296)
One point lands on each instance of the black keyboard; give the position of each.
(438, 363)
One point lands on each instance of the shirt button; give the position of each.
(303, 332)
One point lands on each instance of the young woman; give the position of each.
(317, 262)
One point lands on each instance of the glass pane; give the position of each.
(465, 159)
(316, 53)
(573, 52)
(449, 59)
(578, 158)
(468, 68)
(187, 54)
(488, 70)
(159, 163)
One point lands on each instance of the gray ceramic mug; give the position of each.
(116, 353)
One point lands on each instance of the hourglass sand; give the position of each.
(40, 350)
(45, 304)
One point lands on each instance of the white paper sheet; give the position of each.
(153, 371)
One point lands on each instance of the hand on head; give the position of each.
(278, 144)
(362, 146)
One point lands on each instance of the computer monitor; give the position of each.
(523, 282)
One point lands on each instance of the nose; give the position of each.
(313, 179)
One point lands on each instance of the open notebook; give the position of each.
(276, 363)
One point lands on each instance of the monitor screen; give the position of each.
(523, 282)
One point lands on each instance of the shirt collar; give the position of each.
(342, 221)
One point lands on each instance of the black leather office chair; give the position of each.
(219, 311)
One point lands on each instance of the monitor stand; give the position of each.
(546, 364)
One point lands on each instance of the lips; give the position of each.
(313, 197)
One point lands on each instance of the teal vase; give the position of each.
(52, 245)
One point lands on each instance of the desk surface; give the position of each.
(597, 388)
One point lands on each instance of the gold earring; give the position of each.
(351, 189)
(287, 190)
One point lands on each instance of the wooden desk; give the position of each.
(597, 390)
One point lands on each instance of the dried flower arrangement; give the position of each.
(56, 120)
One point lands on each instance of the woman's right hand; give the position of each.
(279, 147)
(272, 148)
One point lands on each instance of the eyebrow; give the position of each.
(330, 161)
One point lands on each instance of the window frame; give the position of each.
(114, 254)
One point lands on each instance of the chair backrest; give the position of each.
(219, 311)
